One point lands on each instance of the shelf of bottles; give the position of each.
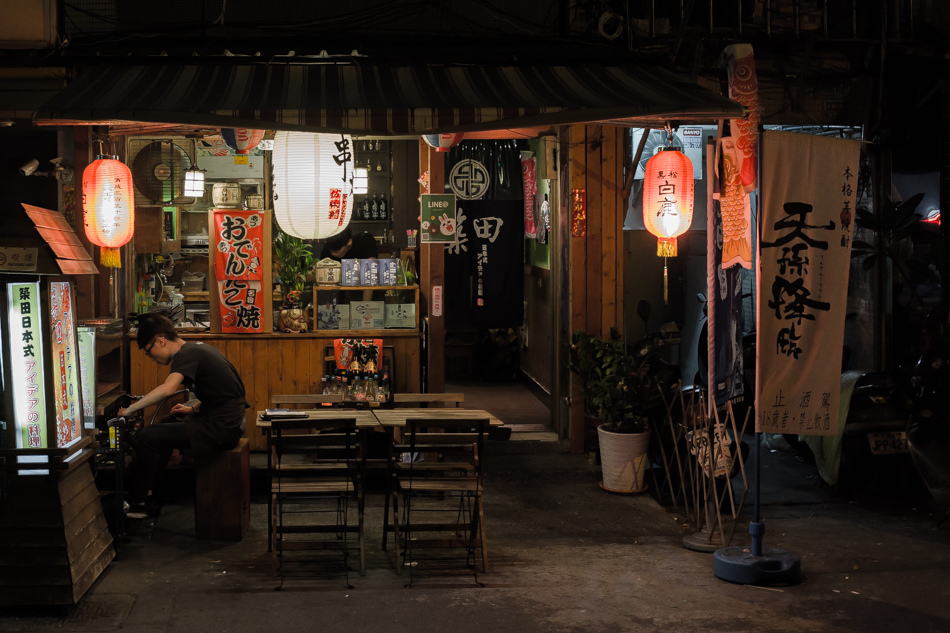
(369, 387)
(374, 208)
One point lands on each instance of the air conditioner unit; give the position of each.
(158, 171)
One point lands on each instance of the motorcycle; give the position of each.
(928, 429)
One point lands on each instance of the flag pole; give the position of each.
(757, 565)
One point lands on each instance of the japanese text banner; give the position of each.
(242, 304)
(808, 192)
(239, 244)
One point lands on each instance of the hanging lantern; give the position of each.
(108, 207)
(242, 140)
(668, 198)
(443, 142)
(195, 182)
(312, 174)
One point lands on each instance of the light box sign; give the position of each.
(65, 360)
(87, 374)
(26, 364)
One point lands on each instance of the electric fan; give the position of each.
(158, 172)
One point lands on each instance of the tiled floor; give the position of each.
(511, 402)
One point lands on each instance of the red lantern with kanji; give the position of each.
(108, 207)
(668, 198)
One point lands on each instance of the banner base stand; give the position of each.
(773, 567)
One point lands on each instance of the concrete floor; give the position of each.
(567, 557)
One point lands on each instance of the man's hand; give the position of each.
(181, 409)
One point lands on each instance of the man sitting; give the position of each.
(215, 422)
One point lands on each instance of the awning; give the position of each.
(380, 99)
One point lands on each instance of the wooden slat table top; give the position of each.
(397, 417)
(364, 418)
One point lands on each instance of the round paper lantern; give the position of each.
(312, 188)
(443, 142)
(242, 140)
(668, 198)
(108, 207)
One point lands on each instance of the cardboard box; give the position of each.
(350, 272)
(367, 315)
(387, 272)
(400, 315)
(333, 317)
(369, 272)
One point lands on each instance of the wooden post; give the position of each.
(432, 277)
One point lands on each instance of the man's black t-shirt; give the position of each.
(364, 247)
(216, 383)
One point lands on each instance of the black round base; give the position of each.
(774, 567)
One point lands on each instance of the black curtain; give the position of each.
(483, 271)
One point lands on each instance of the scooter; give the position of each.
(928, 430)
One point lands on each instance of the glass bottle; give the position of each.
(371, 389)
(382, 207)
(365, 215)
(379, 165)
(374, 209)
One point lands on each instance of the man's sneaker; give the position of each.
(151, 508)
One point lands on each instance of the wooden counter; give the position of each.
(282, 364)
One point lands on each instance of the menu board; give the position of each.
(65, 364)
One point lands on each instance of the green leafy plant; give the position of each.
(619, 385)
(293, 261)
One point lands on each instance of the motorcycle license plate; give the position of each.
(888, 443)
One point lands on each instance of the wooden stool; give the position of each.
(223, 493)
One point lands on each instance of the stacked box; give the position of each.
(369, 272)
(387, 272)
(366, 315)
(350, 272)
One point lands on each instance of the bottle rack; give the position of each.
(376, 156)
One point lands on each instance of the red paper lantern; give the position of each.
(443, 142)
(242, 140)
(108, 207)
(668, 198)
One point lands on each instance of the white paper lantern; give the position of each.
(312, 183)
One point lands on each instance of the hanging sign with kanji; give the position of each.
(239, 253)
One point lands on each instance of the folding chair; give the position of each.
(316, 474)
(442, 494)
(426, 399)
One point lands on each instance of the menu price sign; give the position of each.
(65, 364)
(438, 218)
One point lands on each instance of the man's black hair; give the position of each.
(338, 241)
(155, 325)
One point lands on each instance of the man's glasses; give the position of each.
(148, 348)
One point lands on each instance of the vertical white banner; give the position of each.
(808, 195)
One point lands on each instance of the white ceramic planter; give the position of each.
(623, 460)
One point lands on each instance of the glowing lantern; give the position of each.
(668, 198)
(443, 142)
(312, 183)
(242, 140)
(108, 207)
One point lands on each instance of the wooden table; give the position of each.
(396, 418)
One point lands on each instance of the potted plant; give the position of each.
(293, 262)
(619, 390)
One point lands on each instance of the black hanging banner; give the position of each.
(483, 270)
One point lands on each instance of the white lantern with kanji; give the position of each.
(312, 183)
(668, 198)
